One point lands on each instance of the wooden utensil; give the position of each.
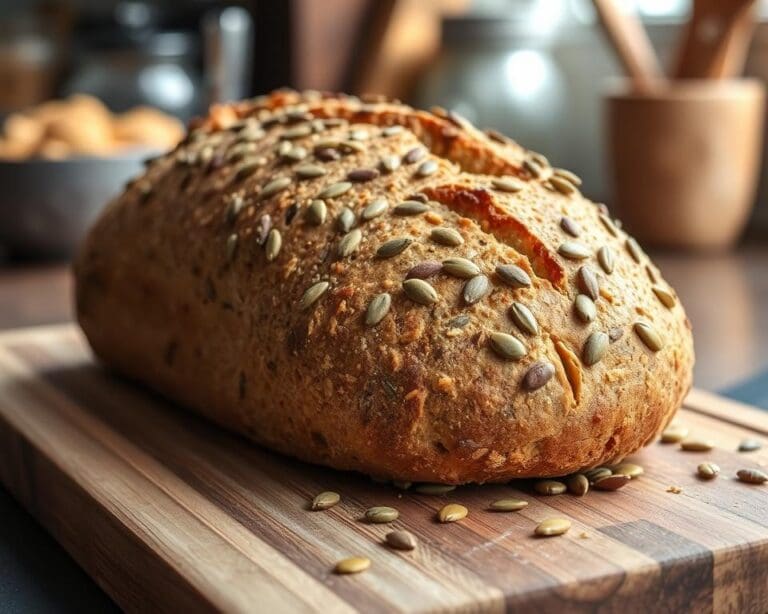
(685, 160)
(716, 39)
(630, 42)
(170, 513)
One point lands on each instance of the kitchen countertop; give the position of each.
(726, 297)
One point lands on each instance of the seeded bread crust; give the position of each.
(195, 281)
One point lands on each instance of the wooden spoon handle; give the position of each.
(715, 41)
(631, 44)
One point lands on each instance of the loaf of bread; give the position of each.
(366, 286)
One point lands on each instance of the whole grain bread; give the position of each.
(336, 331)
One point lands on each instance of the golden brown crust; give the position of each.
(167, 295)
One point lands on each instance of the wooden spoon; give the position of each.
(715, 41)
(630, 42)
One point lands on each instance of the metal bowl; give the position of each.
(46, 206)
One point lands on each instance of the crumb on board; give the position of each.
(675, 490)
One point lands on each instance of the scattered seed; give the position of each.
(419, 291)
(414, 155)
(674, 434)
(433, 489)
(316, 212)
(696, 445)
(325, 500)
(359, 135)
(349, 243)
(460, 267)
(446, 236)
(752, 476)
(552, 526)
(578, 484)
(606, 259)
(634, 250)
(649, 336)
(537, 375)
(346, 220)
(274, 243)
(294, 154)
(460, 321)
(524, 319)
(410, 207)
(549, 487)
(588, 283)
(749, 445)
(609, 226)
(381, 514)
(569, 226)
(475, 289)
(595, 348)
(392, 130)
(585, 308)
(533, 168)
(335, 189)
(393, 247)
(513, 275)
(424, 270)
(273, 187)
(378, 308)
(562, 185)
(427, 168)
(354, 564)
(573, 250)
(361, 175)
(507, 346)
(612, 482)
(708, 471)
(629, 469)
(327, 154)
(262, 231)
(246, 169)
(309, 171)
(453, 512)
(297, 132)
(597, 473)
(651, 274)
(389, 164)
(312, 294)
(235, 206)
(231, 246)
(508, 505)
(507, 184)
(290, 213)
(401, 540)
(374, 209)
(567, 175)
(665, 296)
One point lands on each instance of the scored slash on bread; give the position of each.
(323, 323)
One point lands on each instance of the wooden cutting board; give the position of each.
(168, 512)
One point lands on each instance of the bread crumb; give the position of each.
(675, 490)
(584, 535)
(445, 385)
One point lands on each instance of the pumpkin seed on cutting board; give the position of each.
(508, 505)
(552, 526)
(325, 500)
(453, 512)
(354, 564)
(381, 514)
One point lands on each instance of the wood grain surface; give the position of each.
(168, 512)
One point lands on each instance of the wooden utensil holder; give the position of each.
(684, 159)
